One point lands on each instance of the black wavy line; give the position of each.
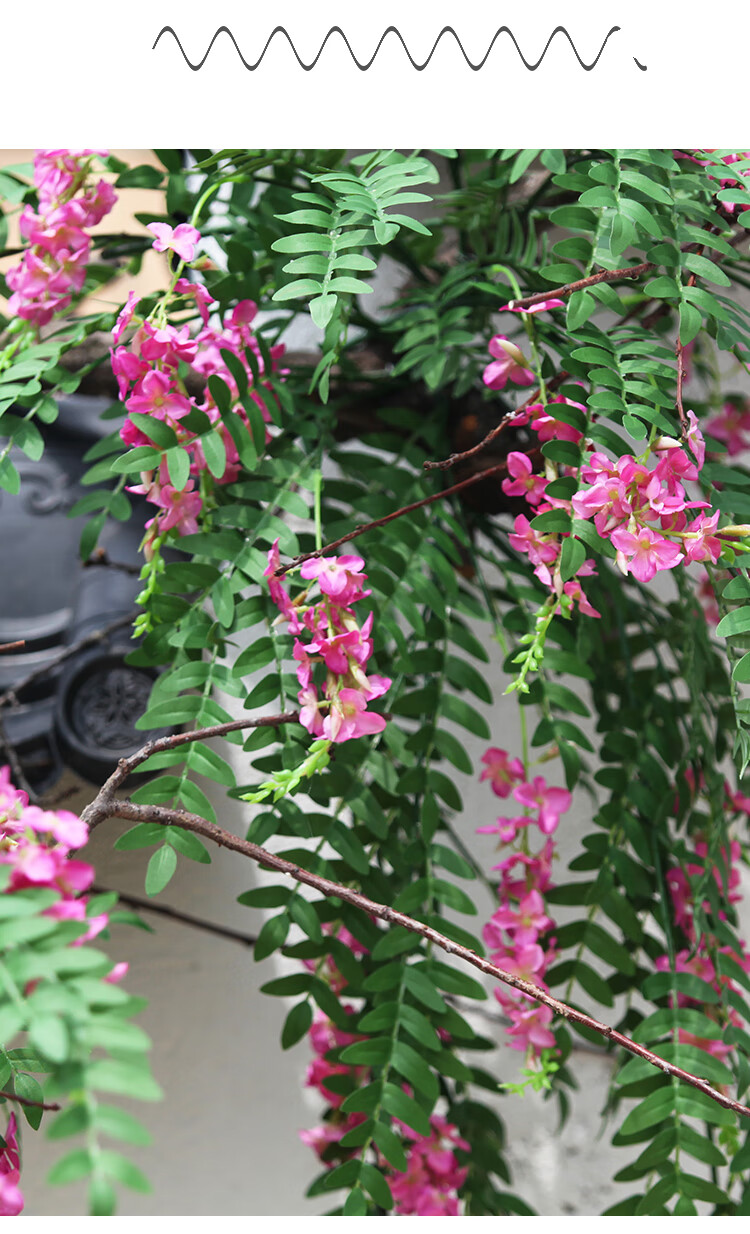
(391, 30)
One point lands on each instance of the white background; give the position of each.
(93, 76)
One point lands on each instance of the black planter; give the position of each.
(81, 712)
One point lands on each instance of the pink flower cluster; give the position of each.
(325, 1036)
(642, 509)
(53, 268)
(336, 641)
(429, 1185)
(724, 183)
(697, 958)
(681, 891)
(11, 1199)
(518, 928)
(150, 384)
(698, 962)
(37, 844)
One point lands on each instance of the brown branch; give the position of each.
(39, 1105)
(19, 643)
(176, 914)
(607, 276)
(90, 640)
(126, 766)
(105, 806)
(361, 528)
(445, 463)
(604, 276)
(680, 354)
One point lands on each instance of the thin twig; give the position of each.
(361, 528)
(604, 276)
(680, 354)
(106, 806)
(39, 1105)
(176, 914)
(445, 463)
(14, 762)
(19, 643)
(126, 766)
(89, 640)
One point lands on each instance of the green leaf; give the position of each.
(460, 712)
(124, 1171)
(375, 1184)
(49, 1033)
(162, 865)
(215, 453)
(72, 1167)
(390, 1146)
(178, 465)
(736, 622)
(296, 1024)
(272, 936)
(656, 1107)
(405, 1108)
(572, 558)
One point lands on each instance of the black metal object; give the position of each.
(81, 712)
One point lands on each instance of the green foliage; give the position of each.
(643, 705)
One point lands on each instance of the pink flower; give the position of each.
(524, 482)
(542, 307)
(548, 428)
(706, 547)
(527, 961)
(348, 717)
(117, 972)
(318, 1072)
(575, 591)
(537, 871)
(500, 771)
(506, 828)
(310, 716)
(525, 924)
(67, 828)
(11, 1199)
(732, 426)
(125, 317)
(156, 395)
(540, 548)
(338, 577)
(428, 1186)
(644, 553)
(279, 594)
(695, 439)
(606, 502)
(201, 294)
(551, 802)
(181, 506)
(531, 1028)
(507, 366)
(181, 239)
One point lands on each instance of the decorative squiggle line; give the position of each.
(365, 65)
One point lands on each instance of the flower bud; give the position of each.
(740, 530)
(511, 350)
